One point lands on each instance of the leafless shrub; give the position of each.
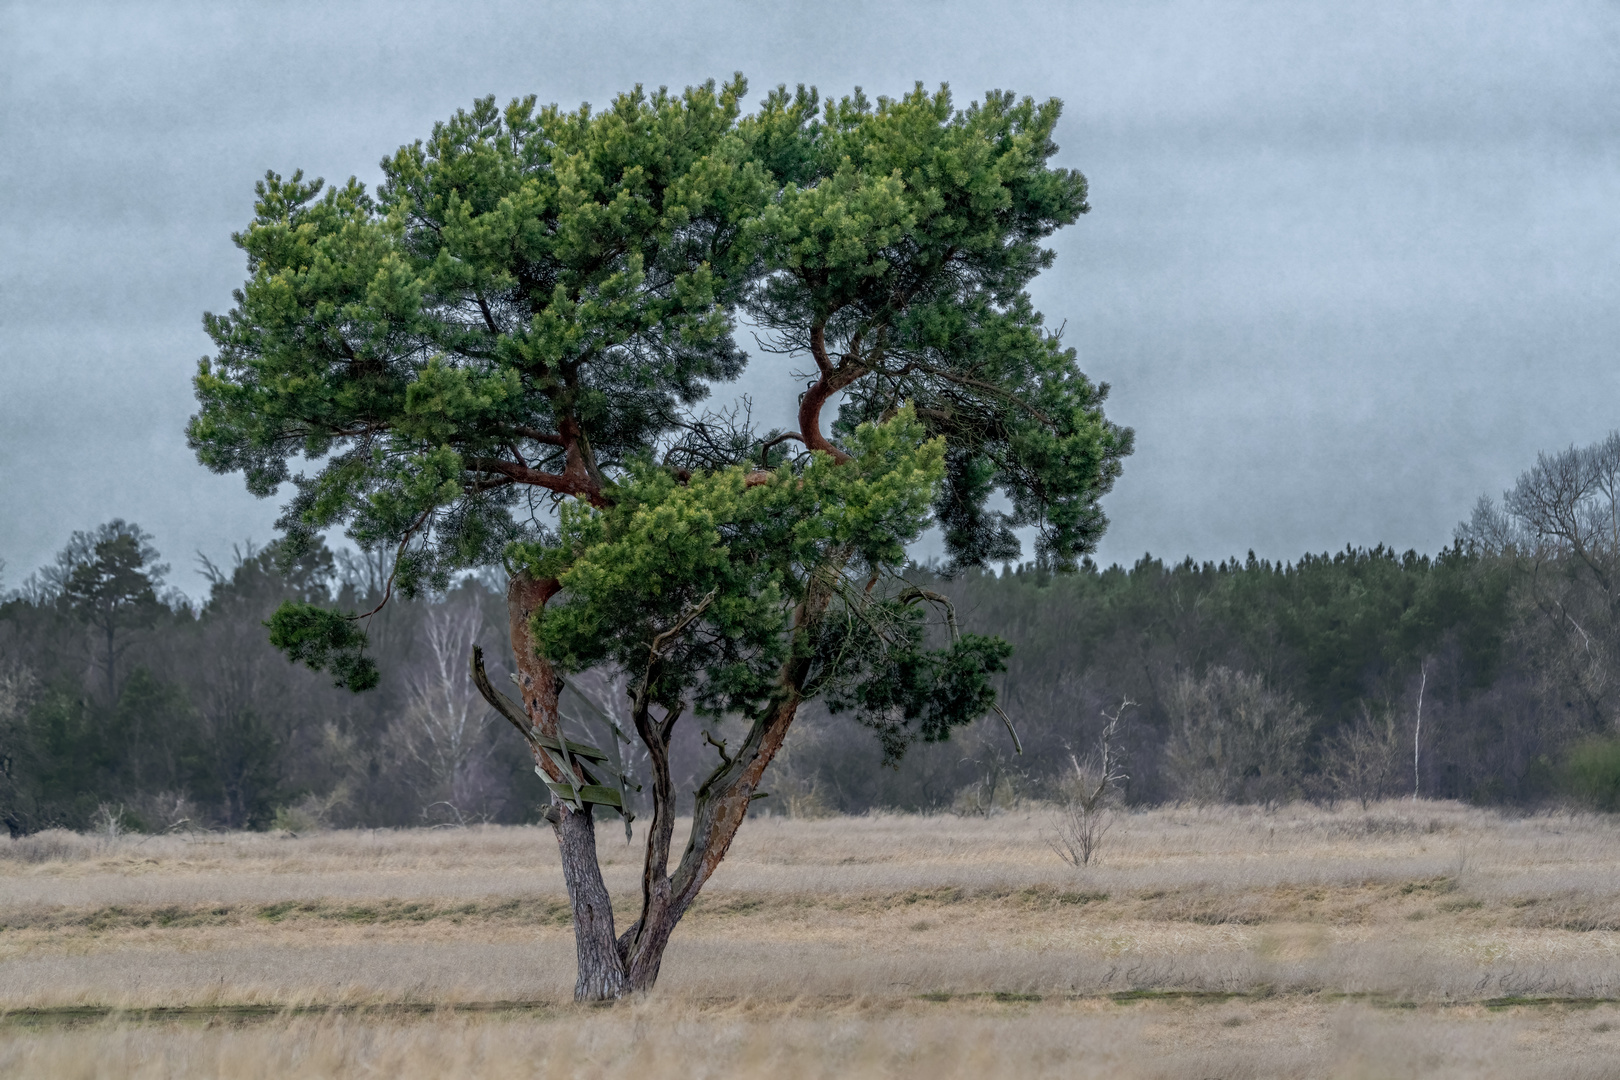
(166, 811)
(312, 813)
(107, 822)
(1361, 762)
(1090, 795)
(998, 786)
(796, 790)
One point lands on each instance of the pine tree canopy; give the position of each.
(502, 354)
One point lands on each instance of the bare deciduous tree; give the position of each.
(442, 729)
(1359, 761)
(1561, 522)
(1090, 795)
(1233, 739)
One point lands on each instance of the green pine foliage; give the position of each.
(322, 639)
(498, 356)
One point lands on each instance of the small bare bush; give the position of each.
(108, 822)
(310, 814)
(166, 811)
(795, 787)
(1090, 794)
(999, 787)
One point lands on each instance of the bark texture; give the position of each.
(601, 969)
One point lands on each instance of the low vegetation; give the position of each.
(1225, 939)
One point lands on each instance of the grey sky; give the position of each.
(1349, 265)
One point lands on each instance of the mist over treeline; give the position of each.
(1484, 673)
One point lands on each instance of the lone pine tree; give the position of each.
(500, 356)
(108, 580)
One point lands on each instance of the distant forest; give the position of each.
(1486, 673)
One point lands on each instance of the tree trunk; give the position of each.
(721, 804)
(601, 974)
(610, 968)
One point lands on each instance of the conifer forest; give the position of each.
(1484, 672)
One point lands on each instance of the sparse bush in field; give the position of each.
(1090, 795)
(109, 822)
(166, 811)
(309, 814)
(795, 788)
(1234, 740)
(1592, 773)
(1000, 784)
(1361, 762)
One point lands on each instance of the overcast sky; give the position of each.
(1348, 267)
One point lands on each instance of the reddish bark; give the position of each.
(601, 970)
(833, 379)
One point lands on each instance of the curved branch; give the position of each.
(388, 589)
(764, 447)
(1018, 744)
(561, 483)
(832, 380)
(916, 593)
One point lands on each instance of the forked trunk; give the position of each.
(721, 805)
(718, 811)
(611, 967)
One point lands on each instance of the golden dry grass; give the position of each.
(1302, 942)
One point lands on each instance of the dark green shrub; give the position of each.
(1592, 773)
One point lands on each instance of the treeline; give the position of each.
(1485, 673)
(1490, 672)
(1242, 681)
(122, 706)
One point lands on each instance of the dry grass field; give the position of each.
(1427, 940)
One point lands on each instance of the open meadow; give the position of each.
(1426, 940)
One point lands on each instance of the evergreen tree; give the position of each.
(499, 357)
(108, 580)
